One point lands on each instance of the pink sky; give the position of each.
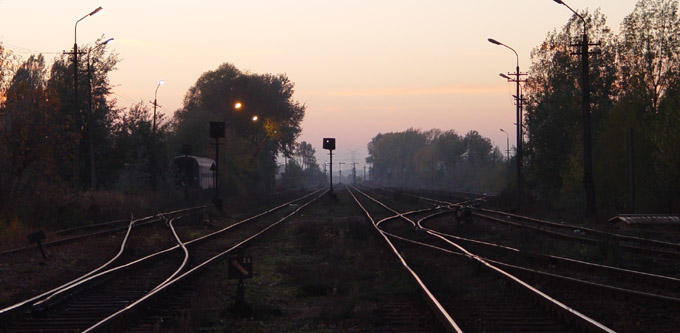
(361, 67)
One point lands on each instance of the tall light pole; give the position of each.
(518, 98)
(93, 176)
(153, 135)
(588, 183)
(76, 111)
(507, 142)
(155, 104)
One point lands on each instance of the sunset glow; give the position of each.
(360, 67)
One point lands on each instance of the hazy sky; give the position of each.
(361, 67)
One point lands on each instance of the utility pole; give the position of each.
(354, 172)
(518, 99)
(588, 182)
(76, 107)
(340, 170)
(584, 52)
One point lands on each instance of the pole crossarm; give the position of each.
(510, 79)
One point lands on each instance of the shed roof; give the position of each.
(646, 219)
(201, 161)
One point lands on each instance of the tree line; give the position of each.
(39, 126)
(437, 159)
(635, 103)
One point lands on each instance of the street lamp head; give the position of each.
(160, 83)
(75, 28)
(493, 41)
(504, 76)
(238, 105)
(96, 11)
(255, 118)
(502, 130)
(559, 1)
(105, 42)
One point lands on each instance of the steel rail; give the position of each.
(583, 228)
(184, 249)
(48, 295)
(196, 240)
(66, 286)
(629, 272)
(545, 299)
(581, 238)
(636, 293)
(650, 242)
(567, 226)
(94, 275)
(101, 324)
(641, 294)
(444, 316)
(94, 226)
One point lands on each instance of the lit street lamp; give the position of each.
(93, 176)
(76, 111)
(518, 98)
(155, 103)
(507, 142)
(588, 182)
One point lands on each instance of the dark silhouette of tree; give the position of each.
(553, 116)
(436, 159)
(31, 138)
(634, 87)
(137, 151)
(104, 110)
(306, 155)
(248, 152)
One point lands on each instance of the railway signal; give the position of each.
(329, 143)
(240, 267)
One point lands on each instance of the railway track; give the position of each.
(75, 234)
(654, 256)
(475, 295)
(619, 298)
(564, 230)
(109, 295)
(622, 299)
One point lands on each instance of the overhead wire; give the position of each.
(21, 49)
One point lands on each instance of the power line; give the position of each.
(21, 49)
(125, 98)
